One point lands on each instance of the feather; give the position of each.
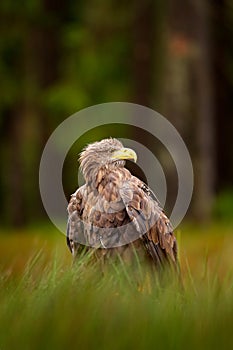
(114, 206)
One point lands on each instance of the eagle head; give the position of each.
(105, 153)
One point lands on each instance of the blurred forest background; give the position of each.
(57, 57)
(60, 56)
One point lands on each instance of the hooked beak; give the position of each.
(125, 153)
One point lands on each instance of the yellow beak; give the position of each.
(125, 153)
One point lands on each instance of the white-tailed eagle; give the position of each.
(115, 212)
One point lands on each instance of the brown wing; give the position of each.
(150, 221)
(96, 215)
(75, 227)
(118, 199)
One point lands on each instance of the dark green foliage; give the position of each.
(57, 57)
(223, 208)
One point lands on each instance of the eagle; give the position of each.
(116, 214)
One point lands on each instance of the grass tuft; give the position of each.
(52, 307)
(51, 303)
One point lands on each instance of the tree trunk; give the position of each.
(206, 151)
(188, 99)
(142, 51)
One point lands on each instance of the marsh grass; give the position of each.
(52, 305)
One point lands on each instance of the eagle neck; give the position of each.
(95, 174)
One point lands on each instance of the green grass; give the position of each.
(46, 303)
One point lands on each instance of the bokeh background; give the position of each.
(57, 57)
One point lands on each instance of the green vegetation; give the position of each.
(48, 303)
(58, 57)
(223, 207)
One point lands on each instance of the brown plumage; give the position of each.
(115, 212)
